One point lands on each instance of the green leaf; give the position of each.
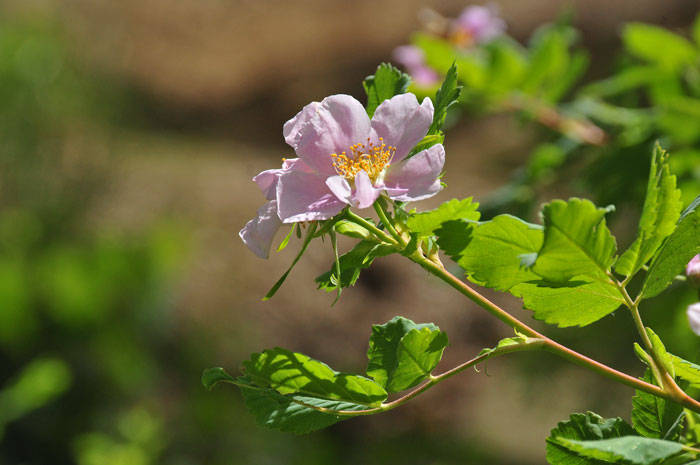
(402, 354)
(293, 373)
(634, 450)
(426, 143)
(658, 45)
(576, 241)
(454, 237)
(426, 223)
(351, 264)
(685, 370)
(285, 241)
(446, 96)
(385, 83)
(518, 340)
(588, 426)
(494, 254)
(291, 413)
(304, 246)
(213, 376)
(578, 302)
(662, 208)
(678, 249)
(654, 417)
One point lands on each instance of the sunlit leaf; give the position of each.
(658, 45)
(446, 96)
(385, 83)
(633, 450)
(426, 223)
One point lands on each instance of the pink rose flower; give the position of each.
(477, 24)
(344, 158)
(693, 271)
(693, 313)
(413, 60)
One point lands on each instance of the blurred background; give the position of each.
(129, 132)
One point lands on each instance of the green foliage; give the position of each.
(658, 45)
(294, 373)
(685, 370)
(654, 417)
(402, 354)
(425, 223)
(445, 97)
(578, 302)
(307, 240)
(493, 256)
(582, 427)
(681, 246)
(385, 83)
(576, 241)
(662, 208)
(350, 264)
(634, 450)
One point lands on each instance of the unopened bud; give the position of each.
(693, 313)
(693, 271)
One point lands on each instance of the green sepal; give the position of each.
(385, 83)
(402, 353)
(286, 239)
(307, 240)
(354, 230)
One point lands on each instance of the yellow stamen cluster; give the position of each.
(372, 159)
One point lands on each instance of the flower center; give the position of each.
(370, 158)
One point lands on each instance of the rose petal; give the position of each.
(340, 187)
(339, 122)
(402, 122)
(259, 232)
(365, 193)
(304, 196)
(267, 180)
(417, 177)
(291, 129)
(693, 313)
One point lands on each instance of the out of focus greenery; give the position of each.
(90, 370)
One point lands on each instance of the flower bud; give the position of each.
(693, 271)
(693, 313)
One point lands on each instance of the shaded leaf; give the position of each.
(580, 426)
(351, 264)
(402, 354)
(685, 370)
(654, 417)
(213, 376)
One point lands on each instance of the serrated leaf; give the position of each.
(385, 83)
(678, 249)
(685, 370)
(576, 241)
(402, 354)
(293, 373)
(446, 96)
(426, 223)
(634, 450)
(493, 256)
(579, 302)
(658, 45)
(662, 208)
(580, 426)
(654, 417)
(307, 240)
(454, 237)
(351, 264)
(289, 413)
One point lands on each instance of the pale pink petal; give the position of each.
(693, 271)
(417, 177)
(340, 187)
(267, 180)
(259, 232)
(365, 193)
(292, 128)
(694, 317)
(409, 56)
(304, 196)
(339, 122)
(481, 22)
(402, 122)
